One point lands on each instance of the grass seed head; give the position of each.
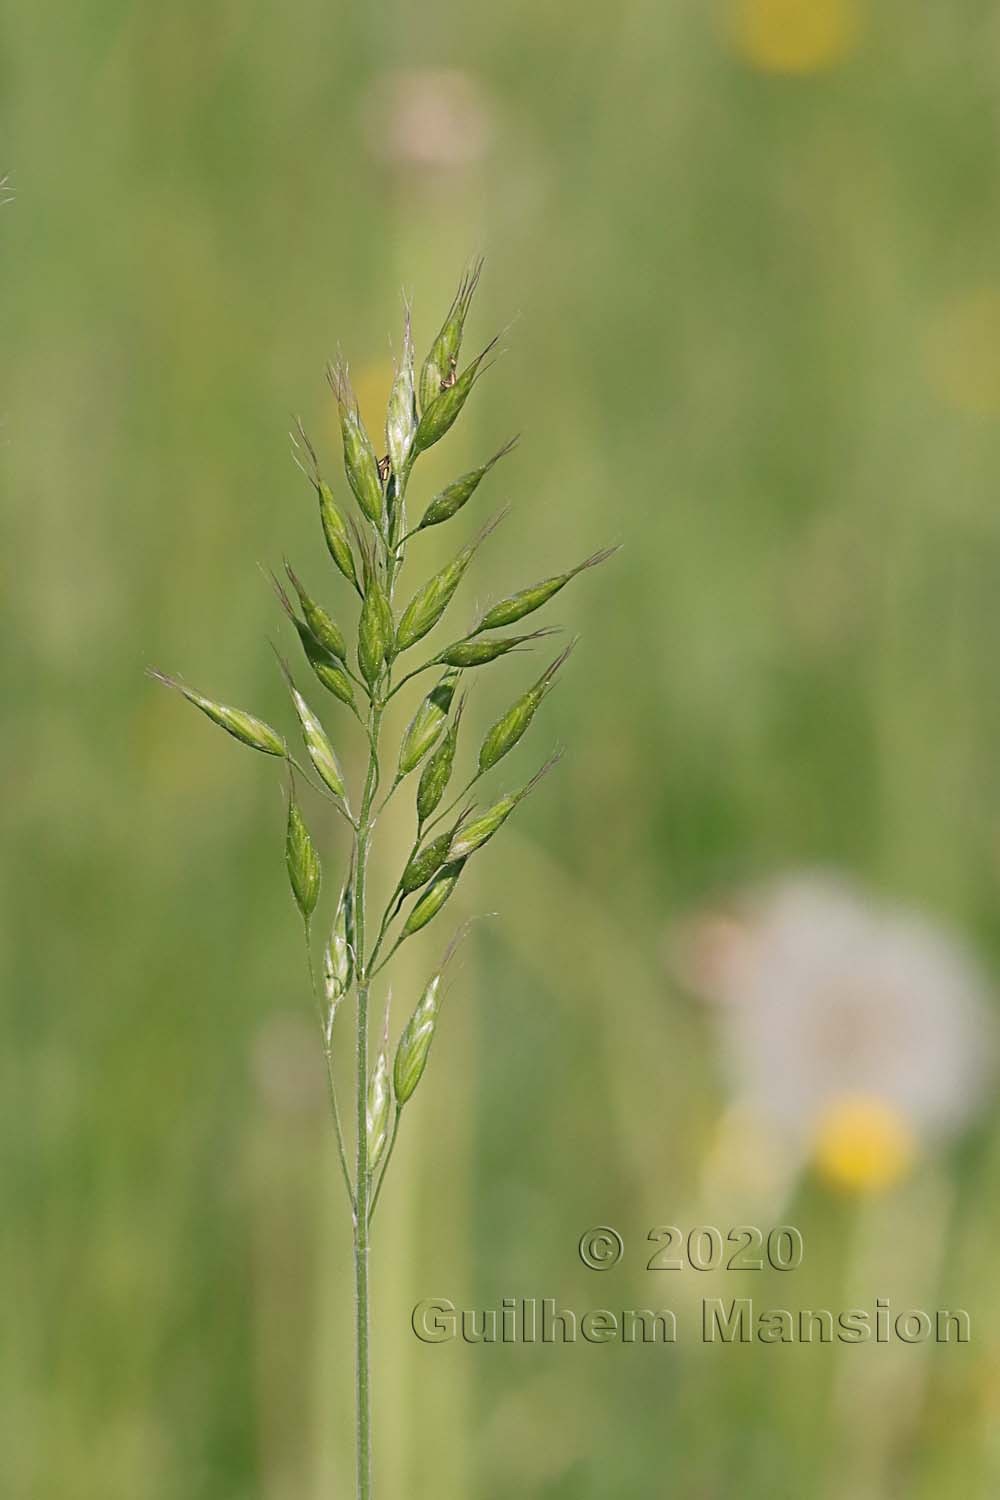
(335, 532)
(244, 727)
(478, 653)
(435, 776)
(415, 1042)
(445, 409)
(427, 724)
(516, 606)
(375, 633)
(442, 361)
(377, 1109)
(338, 960)
(360, 462)
(325, 665)
(451, 499)
(472, 835)
(432, 599)
(401, 416)
(433, 898)
(302, 861)
(424, 864)
(331, 518)
(318, 746)
(509, 728)
(325, 630)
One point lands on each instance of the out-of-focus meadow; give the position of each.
(748, 253)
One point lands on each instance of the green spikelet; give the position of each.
(401, 416)
(301, 860)
(242, 726)
(425, 863)
(360, 463)
(326, 631)
(324, 664)
(331, 518)
(375, 629)
(470, 653)
(516, 606)
(427, 723)
(415, 1042)
(509, 728)
(430, 602)
(451, 499)
(474, 833)
(435, 776)
(433, 898)
(338, 962)
(441, 363)
(318, 746)
(445, 409)
(377, 1109)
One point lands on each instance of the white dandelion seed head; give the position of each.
(824, 994)
(429, 117)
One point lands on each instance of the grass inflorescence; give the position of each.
(368, 545)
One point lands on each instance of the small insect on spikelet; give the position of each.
(401, 417)
(442, 413)
(355, 656)
(438, 371)
(360, 464)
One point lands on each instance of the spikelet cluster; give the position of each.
(362, 666)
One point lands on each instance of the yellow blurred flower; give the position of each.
(963, 352)
(372, 383)
(794, 36)
(863, 1144)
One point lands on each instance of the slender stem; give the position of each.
(439, 817)
(342, 1150)
(331, 1081)
(388, 1158)
(362, 1174)
(363, 1177)
(434, 662)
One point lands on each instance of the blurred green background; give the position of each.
(748, 256)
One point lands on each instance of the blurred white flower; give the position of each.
(429, 117)
(853, 1034)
